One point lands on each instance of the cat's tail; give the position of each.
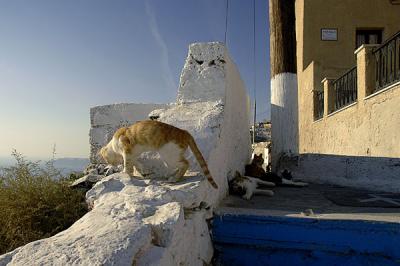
(201, 161)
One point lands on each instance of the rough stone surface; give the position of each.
(87, 181)
(129, 217)
(203, 77)
(150, 221)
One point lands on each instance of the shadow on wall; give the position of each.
(285, 131)
(374, 173)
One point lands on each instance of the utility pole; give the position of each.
(284, 105)
(254, 121)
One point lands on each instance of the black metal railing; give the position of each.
(319, 105)
(387, 62)
(345, 89)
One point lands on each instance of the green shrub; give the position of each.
(35, 202)
(74, 176)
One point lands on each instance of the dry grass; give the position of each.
(35, 202)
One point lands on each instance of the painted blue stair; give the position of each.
(280, 240)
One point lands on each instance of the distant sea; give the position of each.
(6, 161)
(65, 165)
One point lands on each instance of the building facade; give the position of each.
(348, 69)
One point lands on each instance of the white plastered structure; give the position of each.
(106, 119)
(284, 117)
(151, 222)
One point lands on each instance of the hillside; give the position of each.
(67, 165)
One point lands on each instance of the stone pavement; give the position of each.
(319, 201)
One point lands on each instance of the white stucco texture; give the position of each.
(284, 117)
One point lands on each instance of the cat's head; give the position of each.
(258, 159)
(286, 174)
(110, 156)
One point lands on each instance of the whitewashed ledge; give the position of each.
(140, 221)
(150, 222)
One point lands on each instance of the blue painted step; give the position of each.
(279, 240)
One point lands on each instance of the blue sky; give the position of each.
(59, 58)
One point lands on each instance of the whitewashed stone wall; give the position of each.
(150, 222)
(106, 119)
(221, 125)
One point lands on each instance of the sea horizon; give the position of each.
(65, 164)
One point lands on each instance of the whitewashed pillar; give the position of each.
(284, 104)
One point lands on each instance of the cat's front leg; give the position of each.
(128, 165)
(264, 192)
(248, 195)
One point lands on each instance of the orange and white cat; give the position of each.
(170, 142)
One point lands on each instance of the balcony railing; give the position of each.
(319, 105)
(345, 89)
(387, 60)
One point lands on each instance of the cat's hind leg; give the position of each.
(183, 165)
(172, 155)
(265, 183)
(293, 183)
